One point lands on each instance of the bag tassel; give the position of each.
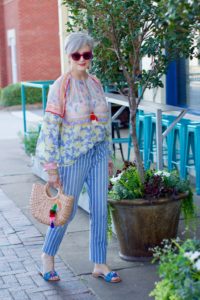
(52, 215)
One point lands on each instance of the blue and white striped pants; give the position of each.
(92, 169)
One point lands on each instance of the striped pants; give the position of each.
(92, 169)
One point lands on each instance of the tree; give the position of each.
(126, 31)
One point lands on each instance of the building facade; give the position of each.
(32, 37)
(181, 85)
(29, 41)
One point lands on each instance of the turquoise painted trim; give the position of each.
(44, 98)
(23, 97)
(38, 84)
(43, 85)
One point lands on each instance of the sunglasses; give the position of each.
(86, 55)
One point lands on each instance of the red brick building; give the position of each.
(29, 40)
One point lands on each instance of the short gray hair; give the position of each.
(76, 40)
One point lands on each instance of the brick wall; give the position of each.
(37, 39)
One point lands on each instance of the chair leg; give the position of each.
(152, 138)
(170, 145)
(147, 127)
(197, 159)
(183, 154)
(129, 147)
(183, 172)
(113, 135)
(120, 145)
(193, 146)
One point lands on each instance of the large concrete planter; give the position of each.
(141, 224)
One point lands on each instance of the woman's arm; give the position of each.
(47, 150)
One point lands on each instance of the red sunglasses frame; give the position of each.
(88, 55)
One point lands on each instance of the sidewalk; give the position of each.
(16, 180)
(20, 248)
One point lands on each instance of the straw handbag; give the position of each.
(53, 211)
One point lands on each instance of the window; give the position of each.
(12, 44)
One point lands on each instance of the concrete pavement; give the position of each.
(20, 248)
(16, 180)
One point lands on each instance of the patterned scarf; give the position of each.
(56, 102)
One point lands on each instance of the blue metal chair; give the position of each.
(43, 85)
(115, 128)
(192, 143)
(165, 124)
(120, 141)
(143, 127)
(177, 144)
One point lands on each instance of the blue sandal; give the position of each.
(48, 276)
(112, 277)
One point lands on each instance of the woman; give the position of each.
(74, 146)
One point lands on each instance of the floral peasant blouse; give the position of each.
(63, 140)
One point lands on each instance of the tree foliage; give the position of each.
(127, 31)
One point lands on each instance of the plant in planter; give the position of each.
(30, 140)
(145, 213)
(126, 32)
(179, 269)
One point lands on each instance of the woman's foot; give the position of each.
(103, 271)
(48, 271)
(101, 268)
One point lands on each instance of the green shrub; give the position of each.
(11, 95)
(179, 270)
(30, 140)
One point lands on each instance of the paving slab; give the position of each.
(20, 261)
(136, 284)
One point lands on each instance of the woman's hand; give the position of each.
(54, 180)
(110, 168)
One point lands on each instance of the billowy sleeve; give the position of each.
(47, 149)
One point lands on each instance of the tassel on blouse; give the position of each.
(93, 118)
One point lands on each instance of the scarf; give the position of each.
(56, 102)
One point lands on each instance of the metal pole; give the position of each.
(159, 139)
(179, 117)
(110, 115)
(120, 110)
(44, 98)
(23, 97)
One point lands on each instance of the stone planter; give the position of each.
(141, 224)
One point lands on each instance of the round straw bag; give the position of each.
(41, 203)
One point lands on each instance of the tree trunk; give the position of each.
(133, 111)
(136, 149)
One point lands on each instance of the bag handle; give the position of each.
(47, 191)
